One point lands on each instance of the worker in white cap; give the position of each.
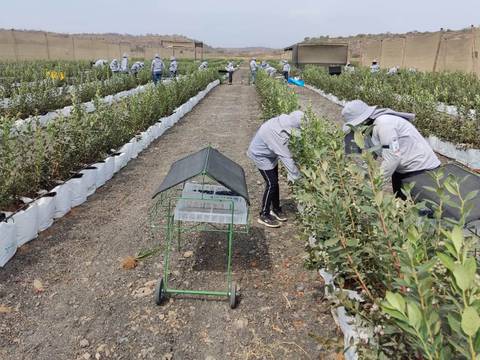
(157, 69)
(375, 67)
(349, 68)
(173, 68)
(286, 69)
(115, 66)
(393, 70)
(270, 145)
(230, 70)
(100, 63)
(253, 70)
(136, 67)
(203, 65)
(404, 151)
(124, 64)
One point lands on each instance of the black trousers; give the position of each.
(397, 182)
(285, 75)
(230, 77)
(271, 196)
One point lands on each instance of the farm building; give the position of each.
(317, 53)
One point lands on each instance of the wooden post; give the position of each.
(381, 51)
(73, 47)
(474, 52)
(435, 61)
(404, 54)
(46, 45)
(15, 48)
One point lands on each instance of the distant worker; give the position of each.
(203, 65)
(253, 70)
(100, 63)
(157, 69)
(264, 64)
(136, 67)
(349, 68)
(393, 70)
(375, 67)
(404, 151)
(271, 71)
(230, 69)
(286, 69)
(115, 66)
(124, 64)
(269, 145)
(173, 68)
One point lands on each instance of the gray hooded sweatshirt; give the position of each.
(404, 149)
(157, 65)
(270, 143)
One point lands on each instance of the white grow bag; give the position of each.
(109, 167)
(63, 200)
(100, 177)
(136, 147)
(26, 223)
(46, 211)
(127, 149)
(120, 161)
(90, 179)
(78, 187)
(175, 117)
(8, 241)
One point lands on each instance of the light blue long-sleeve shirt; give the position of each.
(270, 144)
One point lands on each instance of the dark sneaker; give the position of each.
(279, 215)
(268, 221)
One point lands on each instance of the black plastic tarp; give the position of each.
(211, 162)
(468, 182)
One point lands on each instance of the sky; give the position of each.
(244, 23)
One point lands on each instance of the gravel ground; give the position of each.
(66, 295)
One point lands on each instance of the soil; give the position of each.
(66, 294)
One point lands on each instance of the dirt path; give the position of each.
(320, 105)
(92, 308)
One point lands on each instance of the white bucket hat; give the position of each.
(356, 112)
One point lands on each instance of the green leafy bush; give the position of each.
(413, 92)
(276, 97)
(34, 157)
(417, 275)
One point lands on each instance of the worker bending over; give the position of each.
(203, 65)
(115, 66)
(404, 151)
(269, 145)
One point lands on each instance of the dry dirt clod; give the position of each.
(38, 286)
(187, 254)
(84, 343)
(129, 263)
(4, 309)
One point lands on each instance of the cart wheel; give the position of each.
(160, 295)
(233, 295)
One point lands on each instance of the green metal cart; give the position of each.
(203, 192)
